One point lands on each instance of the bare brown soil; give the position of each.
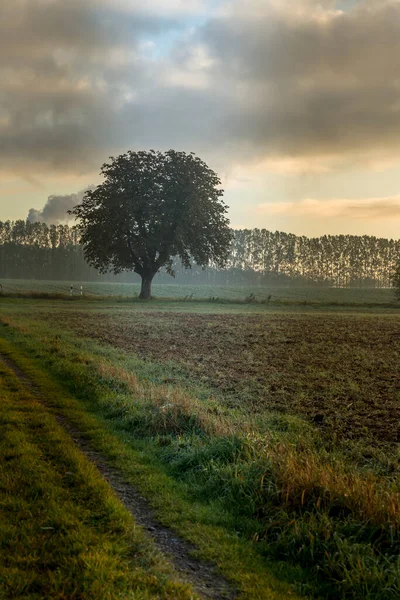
(340, 371)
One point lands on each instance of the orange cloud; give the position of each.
(360, 208)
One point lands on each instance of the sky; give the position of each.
(294, 103)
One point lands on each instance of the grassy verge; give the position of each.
(63, 534)
(243, 489)
(177, 290)
(209, 527)
(247, 301)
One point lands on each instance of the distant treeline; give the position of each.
(40, 251)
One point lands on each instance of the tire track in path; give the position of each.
(203, 577)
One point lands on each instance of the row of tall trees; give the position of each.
(336, 260)
(40, 251)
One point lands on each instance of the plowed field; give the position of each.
(340, 371)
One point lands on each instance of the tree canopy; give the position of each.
(396, 281)
(151, 207)
(257, 256)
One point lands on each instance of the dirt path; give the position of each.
(203, 577)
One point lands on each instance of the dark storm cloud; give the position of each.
(265, 78)
(314, 81)
(64, 70)
(74, 25)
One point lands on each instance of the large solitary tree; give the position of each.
(151, 207)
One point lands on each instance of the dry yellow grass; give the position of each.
(305, 478)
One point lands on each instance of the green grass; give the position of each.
(247, 488)
(270, 294)
(63, 533)
(209, 527)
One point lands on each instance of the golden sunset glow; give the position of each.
(295, 103)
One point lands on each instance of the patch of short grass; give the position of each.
(63, 533)
(208, 292)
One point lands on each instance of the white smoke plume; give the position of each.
(56, 209)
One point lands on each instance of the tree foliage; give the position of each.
(396, 281)
(152, 207)
(257, 256)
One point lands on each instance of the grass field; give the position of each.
(63, 534)
(276, 429)
(179, 291)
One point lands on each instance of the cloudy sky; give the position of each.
(295, 103)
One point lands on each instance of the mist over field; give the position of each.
(36, 250)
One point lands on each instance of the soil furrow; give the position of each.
(203, 577)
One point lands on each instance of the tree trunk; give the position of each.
(145, 291)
